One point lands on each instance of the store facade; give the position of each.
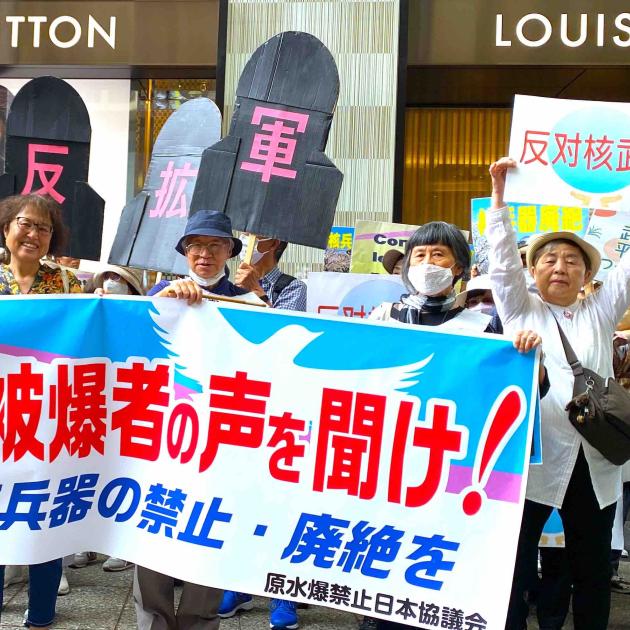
(133, 63)
(426, 85)
(465, 61)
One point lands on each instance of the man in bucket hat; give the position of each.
(573, 477)
(207, 243)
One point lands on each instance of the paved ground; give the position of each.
(103, 601)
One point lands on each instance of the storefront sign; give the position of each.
(108, 32)
(539, 32)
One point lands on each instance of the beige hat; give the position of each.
(133, 277)
(542, 239)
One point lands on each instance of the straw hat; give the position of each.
(542, 239)
(133, 277)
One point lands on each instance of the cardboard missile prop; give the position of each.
(48, 153)
(154, 220)
(270, 174)
(6, 98)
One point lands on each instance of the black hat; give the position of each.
(209, 223)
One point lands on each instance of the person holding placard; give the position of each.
(263, 277)
(574, 476)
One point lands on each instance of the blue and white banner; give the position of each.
(351, 294)
(241, 449)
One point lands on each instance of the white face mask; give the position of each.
(206, 282)
(116, 287)
(482, 307)
(428, 279)
(256, 255)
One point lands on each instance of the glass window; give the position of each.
(447, 154)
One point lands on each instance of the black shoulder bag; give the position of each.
(281, 284)
(599, 410)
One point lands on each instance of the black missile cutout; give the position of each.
(154, 220)
(48, 153)
(270, 174)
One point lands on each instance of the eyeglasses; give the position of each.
(196, 249)
(26, 225)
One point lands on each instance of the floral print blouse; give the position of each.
(47, 280)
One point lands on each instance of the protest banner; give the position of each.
(350, 294)
(609, 232)
(528, 219)
(231, 447)
(569, 153)
(372, 239)
(339, 249)
(270, 174)
(48, 153)
(158, 214)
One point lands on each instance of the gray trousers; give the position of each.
(154, 595)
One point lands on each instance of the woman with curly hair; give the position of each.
(32, 227)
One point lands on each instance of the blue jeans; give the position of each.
(43, 582)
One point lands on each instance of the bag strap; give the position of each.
(573, 361)
(281, 284)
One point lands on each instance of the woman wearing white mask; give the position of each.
(436, 257)
(114, 280)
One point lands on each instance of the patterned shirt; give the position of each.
(47, 280)
(291, 298)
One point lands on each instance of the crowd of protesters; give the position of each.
(574, 477)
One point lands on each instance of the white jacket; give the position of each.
(589, 325)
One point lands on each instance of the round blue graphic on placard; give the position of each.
(368, 295)
(601, 159)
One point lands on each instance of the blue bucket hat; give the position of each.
(209, 223)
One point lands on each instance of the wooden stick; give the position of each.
(223, 298)
(252, 241)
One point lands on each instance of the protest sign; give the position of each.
(527, 219)
(48, 153)
(270, 173)
(158, 214)
(231, 447)
(350, 294)
(339, 249)
(569, 153)
(609, 232)
(372, 239)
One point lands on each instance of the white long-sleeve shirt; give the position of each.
(589, 325)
